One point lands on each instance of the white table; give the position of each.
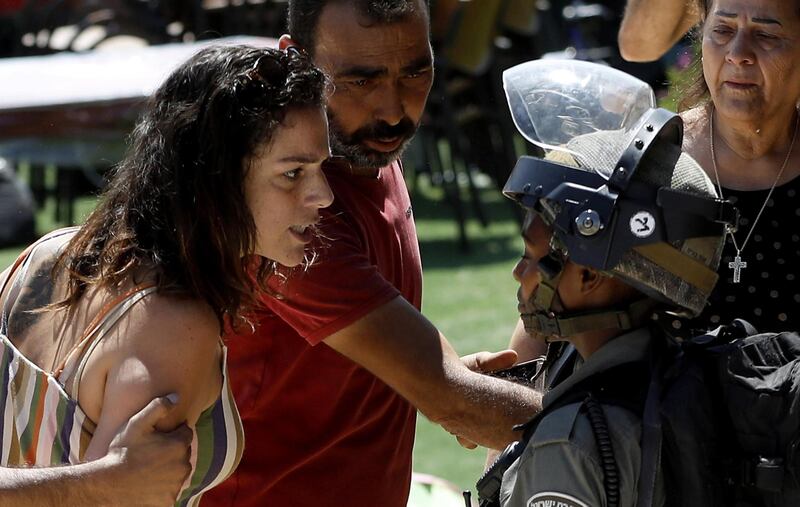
(78, 95)
(75, 110)
(96, 76)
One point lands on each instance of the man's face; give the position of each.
(382, 74)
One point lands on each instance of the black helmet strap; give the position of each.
(570, 324)
(544, 319)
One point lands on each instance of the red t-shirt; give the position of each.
(11, 6)
(320, 430)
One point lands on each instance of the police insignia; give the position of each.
(553, 499)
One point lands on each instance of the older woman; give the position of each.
(743, 133)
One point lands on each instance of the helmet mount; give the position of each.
(616, 197)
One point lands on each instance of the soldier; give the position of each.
(621, 225)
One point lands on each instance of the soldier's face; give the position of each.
(536, 236)
(573, 293)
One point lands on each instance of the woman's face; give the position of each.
(285, 187)
(751, 57)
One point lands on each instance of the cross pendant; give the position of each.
(737, 266)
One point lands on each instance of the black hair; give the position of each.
(303, 15)
(175, 205)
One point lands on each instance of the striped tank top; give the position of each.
(42, 425)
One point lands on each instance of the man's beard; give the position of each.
(352, 148)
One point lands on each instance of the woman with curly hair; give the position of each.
(223, 181)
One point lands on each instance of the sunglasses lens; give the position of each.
(270, 71)
(257, 86)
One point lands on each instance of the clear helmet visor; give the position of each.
(555, 101)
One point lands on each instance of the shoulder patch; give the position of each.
(553, 499)
(556, 427)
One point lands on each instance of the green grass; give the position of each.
(7, 256)
(45, 216)
(469, 296)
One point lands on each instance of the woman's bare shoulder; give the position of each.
(177, 341)
(165, 344)
(176, 326)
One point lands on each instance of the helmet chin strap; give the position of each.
(545, 320)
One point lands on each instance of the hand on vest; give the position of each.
(485, 362)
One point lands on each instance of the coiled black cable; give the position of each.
(597, 419)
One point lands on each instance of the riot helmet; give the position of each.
(616, 189)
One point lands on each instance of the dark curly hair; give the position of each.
(175, 205)
(303, 15)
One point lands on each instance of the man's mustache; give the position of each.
(382, 130)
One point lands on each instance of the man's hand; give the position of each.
(485, 362)
(149, 465)
(143, 467)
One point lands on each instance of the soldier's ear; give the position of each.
(591, 280)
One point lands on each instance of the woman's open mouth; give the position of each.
(303, 233)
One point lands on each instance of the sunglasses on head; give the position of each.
(257, 87)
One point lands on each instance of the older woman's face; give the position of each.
(751, 56)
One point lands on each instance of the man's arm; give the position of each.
(527, 347)
(401, 347)
(143, 467)
(651, 27)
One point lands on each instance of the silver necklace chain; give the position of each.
(737, 264)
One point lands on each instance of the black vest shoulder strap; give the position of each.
(625, 385)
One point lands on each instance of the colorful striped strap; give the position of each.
(108, 323)
(78, 352)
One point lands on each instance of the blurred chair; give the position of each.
(519, 40)
(48, 26)
(242, 17)
(42, 27)
(520, 17)
(463, 111)
(468, 43)
(441, 14)
(519, 28)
